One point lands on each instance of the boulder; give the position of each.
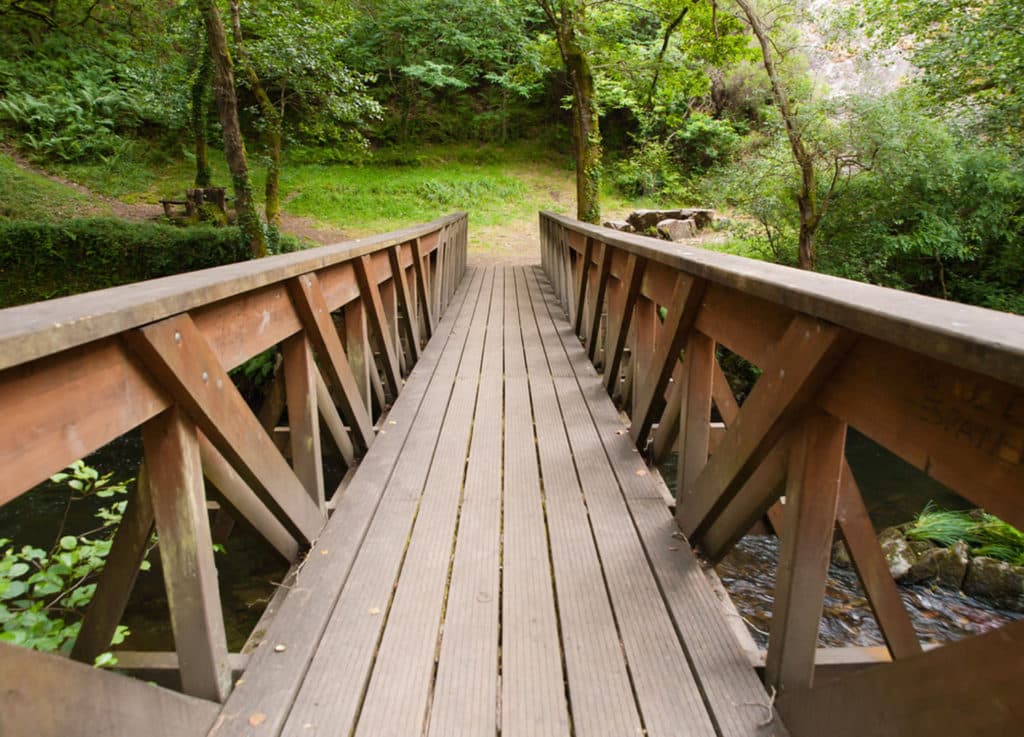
(645, 220)
(619, 225)
(677, 230)
(947, 566)
(996, 581)
(897, 551)
(841, 555)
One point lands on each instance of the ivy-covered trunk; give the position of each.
(567, 19)
(271, 115)
(234, 147)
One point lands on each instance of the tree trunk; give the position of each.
(234, 147)
(270, 113)
(806, 199)
(200, 89)
(586, 128)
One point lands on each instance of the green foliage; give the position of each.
(986, 534)
(44, 593)
(650, 171)
(44, 260)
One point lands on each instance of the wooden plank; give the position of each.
(163, 668)
(423, 287)
(812, 495)
(581, 285)
(620, 315)
(646, 332)
(345, 646)
(114, 587)
(805, 357)
(274, 677)
(666, 690)
(407, 303)
(186, 552)
(300, 374)
(726, 678)
(604, 263)
(920, 697)
(600, 693)
(243, 501)
(533, 700)
(180, 358)
(668, 427)
(682, 311)
(873, 570)
(402, 673)
(695, 428)
(357, 350)
(961, 428)
(986, 341)
(62, 408)
(312, 309)
(378, 319)
(465, 693)
(723, 397)
(32, 331)
(332, 420)
(757, 495)
(49, 696)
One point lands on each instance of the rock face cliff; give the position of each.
(849, 66)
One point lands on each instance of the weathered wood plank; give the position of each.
(333, 422)
(49, 696)
(620, 315)
(873, 570)
(805, 357)
(682, 311)
(725, 676)
(316, 317)
(274, 677)
(301, 374)
(407, 302)
(399, 685)
(465, 694)
(243, 501)
(600, 694)
(533, 700)
(423, 287)
(665, 688)
(922, 696)
(118, 576)
(178, 355)
(378, 318)
(812, 495)
(186, 551)
(346, 644)
(604, 264)
(581, 285)
(695, 412)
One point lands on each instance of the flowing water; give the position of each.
(894, 492)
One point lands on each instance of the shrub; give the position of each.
(44, 260)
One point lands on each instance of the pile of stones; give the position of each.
(671, 225)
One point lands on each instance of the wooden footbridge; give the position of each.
(500, 557)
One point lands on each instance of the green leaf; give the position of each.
(69, 542)
(105, 660)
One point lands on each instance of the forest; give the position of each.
(372, 114)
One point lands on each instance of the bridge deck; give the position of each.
(537, 588)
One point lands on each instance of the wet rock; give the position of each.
(920, 547)
(897, 551)
(619, 225)
(996, 581)
(946, 566)
(677, 230)
(841, 555)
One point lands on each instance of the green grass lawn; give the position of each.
(25, 195)
(497, 185)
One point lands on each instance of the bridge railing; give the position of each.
(939, 384)
(350, 321)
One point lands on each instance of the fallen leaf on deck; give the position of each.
(257, 719)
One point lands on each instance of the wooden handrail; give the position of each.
(937, 383)
(78, 372)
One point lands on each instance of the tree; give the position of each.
(568, 21)
(811, 203)
(234, 146)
